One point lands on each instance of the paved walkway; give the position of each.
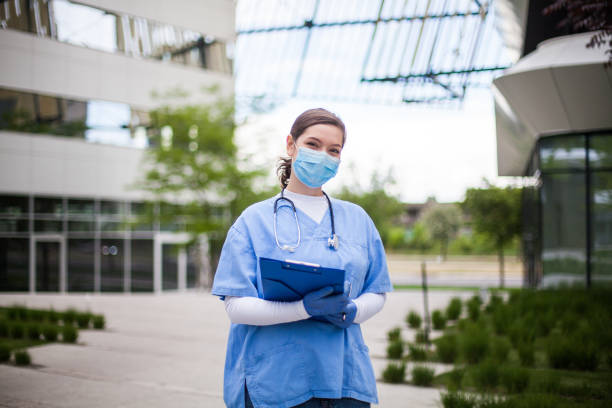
(167, 351)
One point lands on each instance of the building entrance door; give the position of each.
(48, 273)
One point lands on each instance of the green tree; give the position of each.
(382, 207)
(193, 171)
(420, 237)
(496, 213)
(442, 222)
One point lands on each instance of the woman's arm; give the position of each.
(259, 312)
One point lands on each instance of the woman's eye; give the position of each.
(311, 144)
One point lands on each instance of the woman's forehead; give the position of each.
(325, 133)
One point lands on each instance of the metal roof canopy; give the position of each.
(383, 51)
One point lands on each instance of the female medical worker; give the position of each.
(277, 356)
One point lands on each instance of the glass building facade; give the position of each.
(51, 244)
(567, 231)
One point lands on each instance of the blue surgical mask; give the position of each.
(314, 168)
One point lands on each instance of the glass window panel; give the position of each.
(14, 205)
(141, 217)
(81, 207)
(47, 266)
(600, 151)
(84, 25)
(601, 227)
(169, 266)
(48, 226)
(81, 265)
(14, 264)
(14, 225)
(48, 206)
(142, 265)
(81, 226)
(192, 267)
(111, 265)
(562, 152)
(111, 207)
(563, 228)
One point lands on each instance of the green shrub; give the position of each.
(500, 348)
(495, 301)
(565, 353)
(474, 345)
(69, 317)
(502, 320)
(414, 319)
(458, 400)
(69, 334)
(422, 376)
(395, 349)
(547, 383)
(394, 334)
(446, 348)
(12, 312)
(22, 358)
(455, 379)
(50, 332)
(473, 307)
(515, 379)
(4, 328)
(421, 337)
(33, 331)
(521, 331)
(37, 315)
(526, 353)
(394, 373)
(17, 330)
(5, 353)
(53, 316)
(83, 320)
(417, 353)
(486, 375)
(453, 310)
(99, 322)
(438, 320)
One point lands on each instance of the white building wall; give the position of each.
(211, 17)
(59, 166)
(46, 66)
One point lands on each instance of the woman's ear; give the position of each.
(291, 148)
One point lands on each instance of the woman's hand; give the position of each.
(345, 318)
(319, 303)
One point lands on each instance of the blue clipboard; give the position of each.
(290, 280)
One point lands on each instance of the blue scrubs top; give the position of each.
(284, 365)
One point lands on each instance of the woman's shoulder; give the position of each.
(255, 211)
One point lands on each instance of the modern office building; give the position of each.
(554, 124)
(77, 80)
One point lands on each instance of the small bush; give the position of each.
(33, 331)
(69, 334)
(394, 373)
(458, 400)
(5, 353)
(526, 353)
(395, 350)
(417, 353)
(22, 358)
(394, 334)
(473, 307)
(37, 315)
(99, 322)
(500, 348)
(421, 337)
(521, 331)
(12, 313)
(422, 376)
(453, 310)
(474, 345)
(564, 353)
(495, 301)
(17, 330)
(515, 379)
(4, 328)
(502, 320)
(53, 316)
(455, 379)
(414, 319)
(438, 320)
(69, 317)
(50, 332)
(486, 375)
(446, 348)
(547, 383)
(83, 320)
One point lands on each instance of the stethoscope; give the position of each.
(332, 241)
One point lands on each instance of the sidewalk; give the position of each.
(167, 350)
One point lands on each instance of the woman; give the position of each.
(277, 355)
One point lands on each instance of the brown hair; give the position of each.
(311, 117)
